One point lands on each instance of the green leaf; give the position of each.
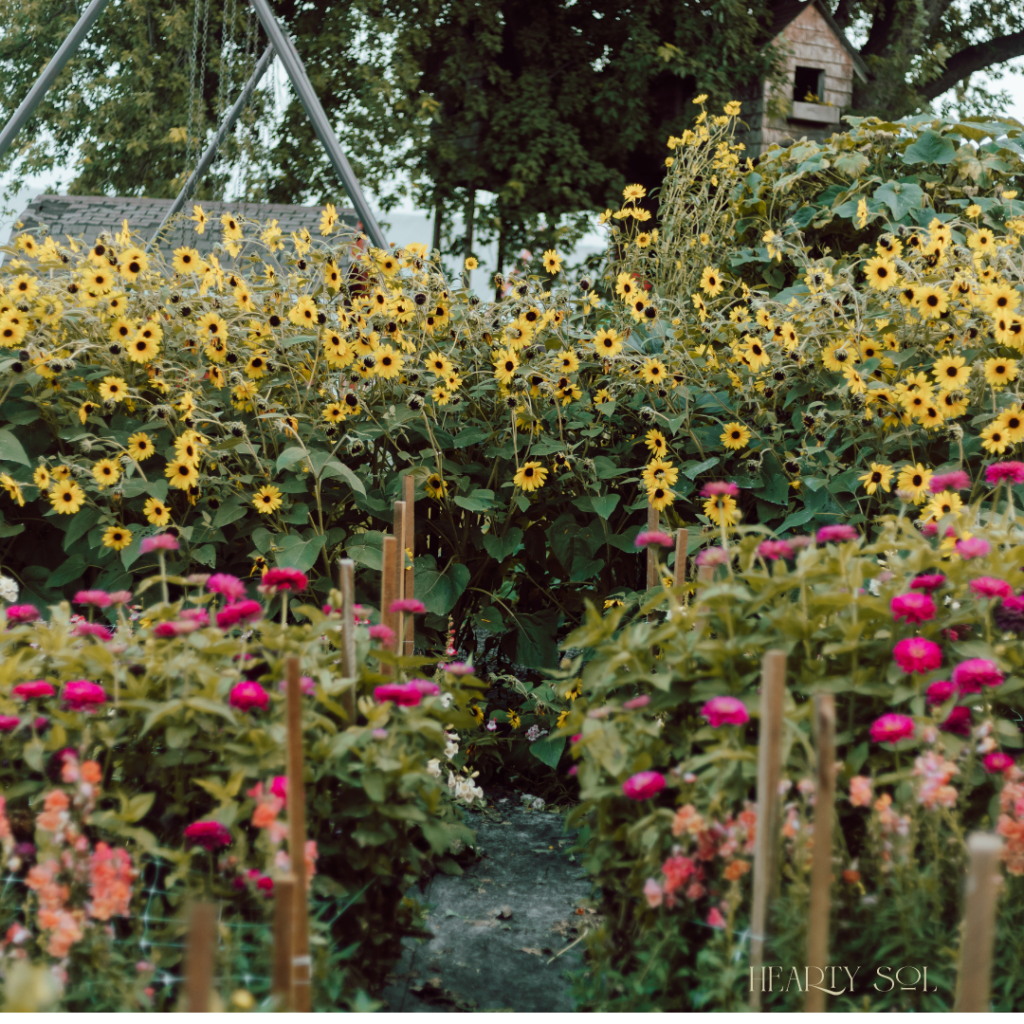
(439, 591)
(852, 164)
(213, 707)
(603, 506)
(72, 569)
(135, 808)
(535, 643)
(11, 450)
(289, 457)
(930, 148)
(694, 469)
(500, 548)
(366, 549)
(900, 197)
(373, 785)
(81, 523)
(334, 468)
(232, 510)
(548, 750)
(297, 553)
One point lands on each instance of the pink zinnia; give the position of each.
(959, 722)
(720, 488)
(230, 587)
(242, 611)
(958, 480)
(33, 690)
(211, 835)
(409, 605)
(973, 547)
(912, 607)
(713, 556)
(836, 534)
(120, 596)
(989, 586)
(928, 581)
(19, 613)
(915, 654)
(385, 634)
(643, 785)
(279, 787)
(307, 685)
(648, 537)
(725, 711)
(403, 694)
(426, 687)
(458, 668)
(83, 695)
(93, 629)
(171, 630)
(8, 723)
(775, 549)
(930, 529)
(286, 579)
(715, 918)
(200, 616)
(997, 761)
(940, 691)
(96, 598)
(970, 676)
(248, 695)
(999, 471)
(892, 728)
(161, 542)
(637, 702)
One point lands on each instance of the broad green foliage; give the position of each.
(903, 809)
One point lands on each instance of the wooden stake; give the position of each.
(387, 590)
(347, 585)
(409, 545)
(296, 809)
(769, 767)
(200, 950)
(705, 573)
(975, 976)
(821, 855)
(284, 904)
(399, 531)
(652, 567)
(680, 566)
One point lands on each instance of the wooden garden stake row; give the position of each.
(299, 1001)
(974, 982)
(396, 579)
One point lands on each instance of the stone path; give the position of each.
(498, 927)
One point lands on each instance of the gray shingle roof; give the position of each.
(85, 217)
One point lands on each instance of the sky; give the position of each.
(410, 225)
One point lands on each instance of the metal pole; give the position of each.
(47, 78)
(321, 125)
(211, 151)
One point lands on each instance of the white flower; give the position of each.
(8, 589)
(452, 747)
(434, 767)
(535, 732)
(538, 803)
(446, 699)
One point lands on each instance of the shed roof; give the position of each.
(789, 10)
(87, 216)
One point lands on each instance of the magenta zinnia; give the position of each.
(970, 676)
(915, 654)
(725, 711)
(913, 607)
(892, 728)
(643, 785)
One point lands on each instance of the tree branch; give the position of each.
(881, 31)
(974, 58)
(843, 14)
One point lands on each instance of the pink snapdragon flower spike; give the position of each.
(721, 711)
(913, 607)
(928, 582)
(239, 613)
(211, 835)
(915, 654)
(940, 691)
(997, 761)
(989, 586)
(719, 489)
(403, 694)
(458, 668)
(93, 629)
(249, 695)
(285, 580)
(645, 538)
(973, 547)
(892, 728)
(957, 480)
(970, 676)
(773, 550)
(34, 690)
(161, 542)
(229, 587)
(1013, 472)
(83, 695)
(19, 613)
(385, 634)
(637, 702)
(8, 723)
(713, 556)
(95, 598)
(307, 685)
(839, 533)
(643, 785)
(409, 606)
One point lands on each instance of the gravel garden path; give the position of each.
(503, 932)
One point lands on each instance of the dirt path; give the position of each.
(498, 927)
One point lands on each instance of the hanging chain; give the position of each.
(201, 112)
(226, 56)
(190, 130)
(249, 114)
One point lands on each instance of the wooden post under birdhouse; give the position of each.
(821, 855)
(296, 811)
(387, 591)
(200, 956)
(769, 768)
(409, 552)
(974, 979)
(347, 585)
(679, 570)
(281, 976)
(652, 557)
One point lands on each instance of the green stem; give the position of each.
(163, 576)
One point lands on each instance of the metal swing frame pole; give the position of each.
(222, 132)
(49, 75)
(321, 125)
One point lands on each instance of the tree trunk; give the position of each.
(502, 236)
(438, 224)
(467, 240)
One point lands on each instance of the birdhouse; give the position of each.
(818, 71)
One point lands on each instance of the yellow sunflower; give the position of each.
(608, 343)
(654, 371)
(106, 472)
(943, 504)
(181, 474)
(117, 537)
(187, 261)
(722, 510)
(711, 281)
(435, 486)
(878, 475)
(914, 480)
(156, 512)
(267, 499)
(531, 476)
(67, 497)
(735, 436)
(951, 372)
(1000, 372)
(114, 389)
